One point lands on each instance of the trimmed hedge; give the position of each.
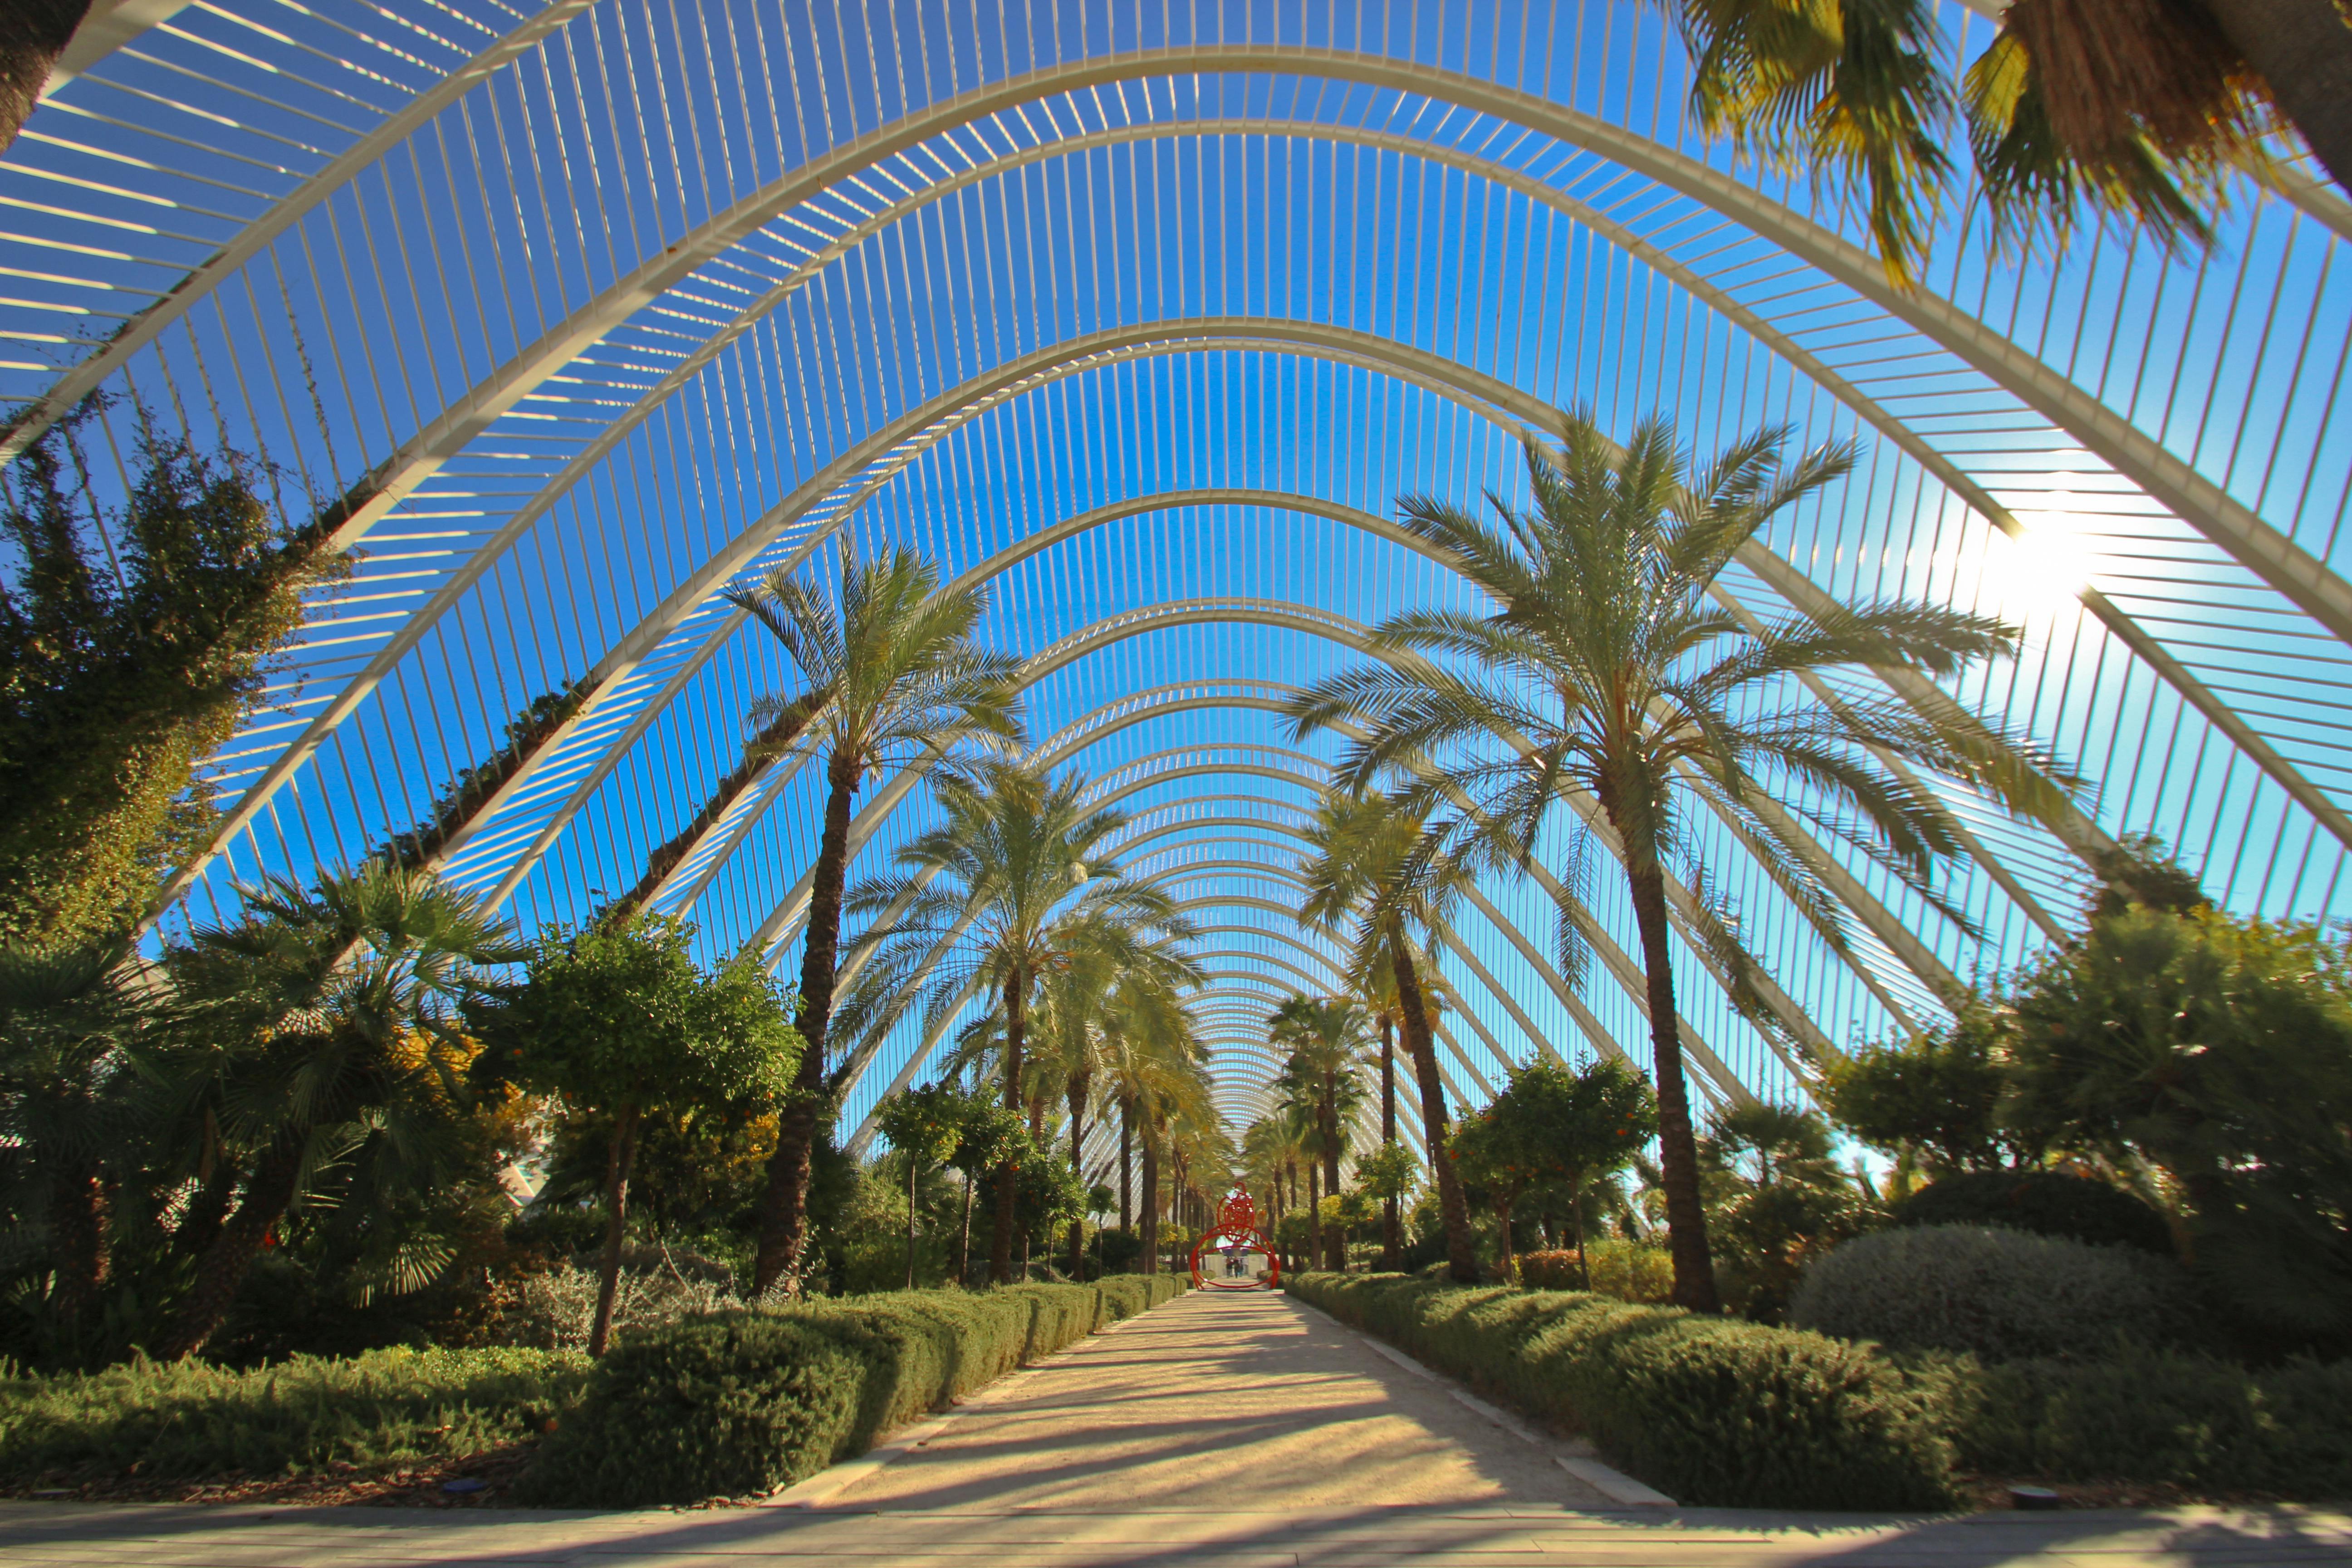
(1715, 1411)
(2002, 1294)
(2190, 1421)
(732, 1404)
(2046, 1203)
(190, 1419)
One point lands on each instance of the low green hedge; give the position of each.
(1714, 1411)
(2208, 1426)
(731, 1403)
(1721, 1412)
(190, 1419)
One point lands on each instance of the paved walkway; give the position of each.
(1228, 1431)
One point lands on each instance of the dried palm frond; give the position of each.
(2138, 108)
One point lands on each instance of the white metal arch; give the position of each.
(2277, 559)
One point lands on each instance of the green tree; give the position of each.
(2133, 107)
(894, 681)
(615, 1017)
(1555, 1123)
(319, 1035)
(1778, 1198)
(925, 1125)
(1368, 871)
(69, 1024)
(116, 686)
(1607, 677)
(2219, 1049)
(1936, 1094)
(1324, 1036)
(1013, 885)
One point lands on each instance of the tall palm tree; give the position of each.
(318, 1032)
(1370, 871)
(1605, 674)
(1011, 887)
(1325, 1036)
(1154, 1060)
(1087, 1010)
(1384, 1004)
(2135, 107)
(894, 681)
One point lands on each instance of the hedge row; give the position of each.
(734, 1404)
(1714, 1411)
(2192, 1421)
(189, 1419)
(1721, 1412)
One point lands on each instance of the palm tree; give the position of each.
(1369, 869)
(1384, 1002)
(2135, 107)
(69, 1024)
(1606, 676)
(33, 36)
(895, 682)
(1012, 887)
(1325, 1040)
(319, 1031)
(1085, 1011)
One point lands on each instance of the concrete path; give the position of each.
(1229, 1432)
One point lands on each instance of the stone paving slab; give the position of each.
(1221, 1432)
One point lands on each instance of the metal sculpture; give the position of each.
(1237, 1226)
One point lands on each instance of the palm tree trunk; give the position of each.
(1150, 1210)
(1504, 1200)
(201, 1222)
(1080, 1083)
(38, 32)
(1391, 1236)
(617, 1164)
(784, 1208)
(1008, 1175)
(963, 1248)
(2304, 50)
(1461, 1250)
(1332, 1165)
(1576, 1223)
(77, 1231)
(1677, 1145)
(1314, 1214)
(1126, 1158)
(221, 1269)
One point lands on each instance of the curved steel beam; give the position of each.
(2291, 571)
(144, 328)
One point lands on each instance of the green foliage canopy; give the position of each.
(117, 681)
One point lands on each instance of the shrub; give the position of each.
(557, 1309)
(189, 1418)
(2157, 1417)
(1715, 1411)
(1629, 1270)
(2047, 1203)
(736, 1403)
(2002, 1294)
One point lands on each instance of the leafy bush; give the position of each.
(2002, 1294)
(1715, 1411)
(188, 1418)
(736, 1403)
(557, 1309)
(2187, 1420)
(2047, 1203)
(1629, 1270)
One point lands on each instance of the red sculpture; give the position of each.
(1237, 1225)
